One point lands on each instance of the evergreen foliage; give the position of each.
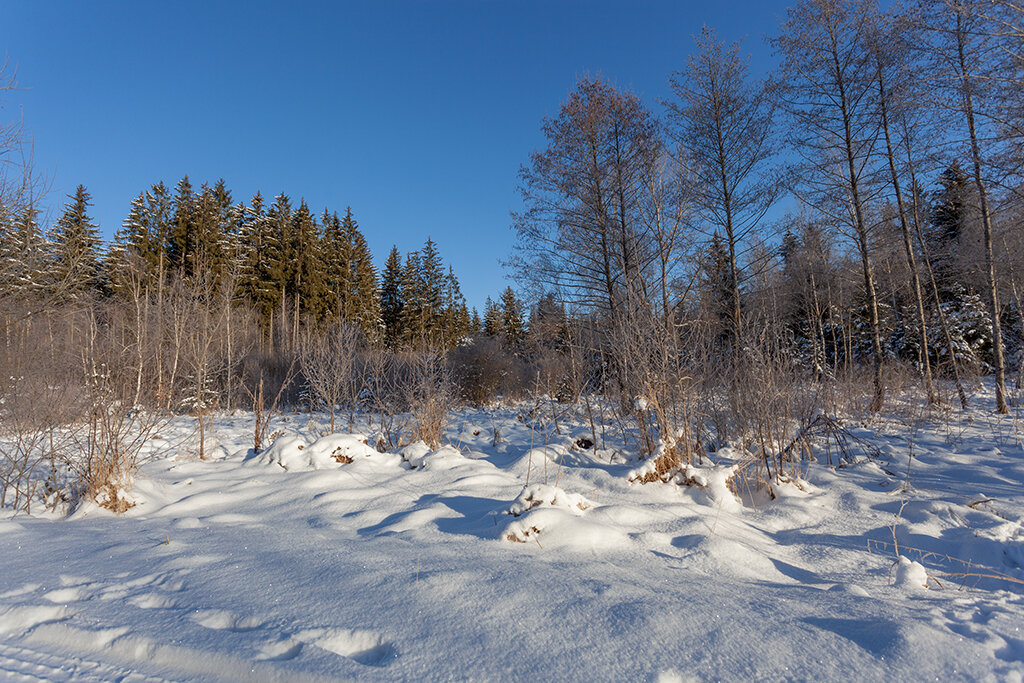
(76, 247)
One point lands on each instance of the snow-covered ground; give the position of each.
(527, 559)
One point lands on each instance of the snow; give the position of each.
(321, 559)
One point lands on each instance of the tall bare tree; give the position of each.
(827, 85)
(722, 121)
(959, 35)
(893, 76)
(579, 234)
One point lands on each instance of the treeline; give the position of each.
(290, 266)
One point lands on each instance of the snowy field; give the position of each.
(429, 565)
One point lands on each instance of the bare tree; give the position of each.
(328, 363)
(580, 234)
(827, 86)
(893, 76)
(723, 123)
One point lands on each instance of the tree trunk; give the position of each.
(926, 367)
(986, 220)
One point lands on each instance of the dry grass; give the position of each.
(430, 416)
(666, 466)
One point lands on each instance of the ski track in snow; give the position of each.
(429, 565)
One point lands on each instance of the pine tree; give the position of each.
(76, 247)
(392, 299)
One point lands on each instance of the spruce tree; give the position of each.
(277, 267)
(181, 241)
(76, 247)
(257, 242)
(363, 293)
(23, 252)
(492, 318)
(432, 283)
(307, 282)
(548, 326)
(455, 320)
(414, 323)
(208, 256)
(338, 271)
(512, 327)
(947, 221)
(391, 299)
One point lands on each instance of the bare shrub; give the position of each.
(108, 446)
(482, 370)
(328, 362)
(429, 391)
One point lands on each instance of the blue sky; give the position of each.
(416, 114)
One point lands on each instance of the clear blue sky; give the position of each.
(417, 114)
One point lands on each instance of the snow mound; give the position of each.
(910, 575)
(341, 448)
(713, 480)
(551, 527)
(294, 454)
(415, 454)
(419, 456)
(542, 495)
